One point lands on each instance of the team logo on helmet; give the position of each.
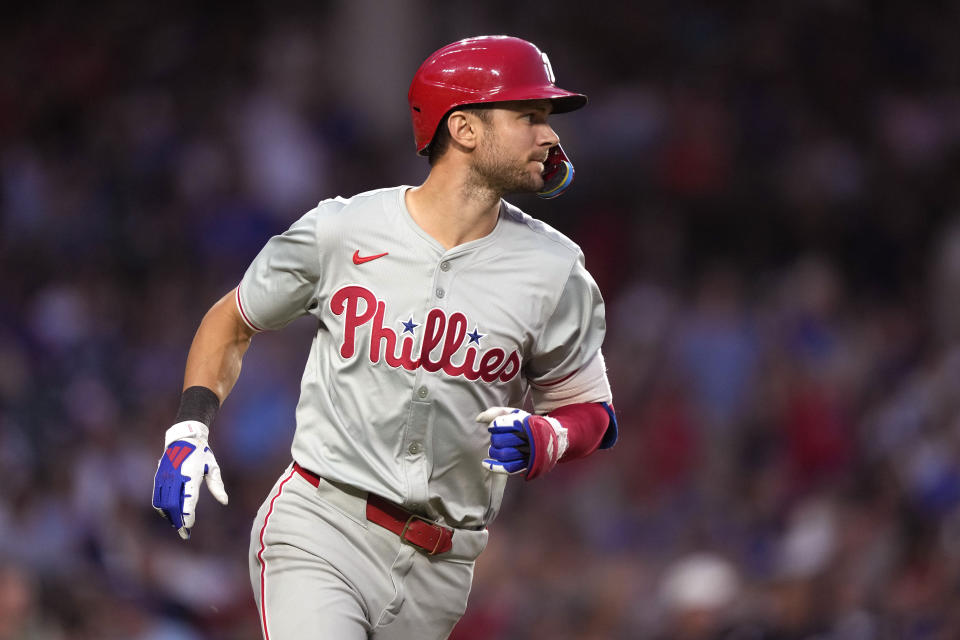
(548, 67)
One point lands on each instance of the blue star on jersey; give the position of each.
(409, 326)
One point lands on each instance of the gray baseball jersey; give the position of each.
(415, 340)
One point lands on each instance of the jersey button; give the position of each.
(439, 293)
(422, 392)
(444, 266)
(415, 447)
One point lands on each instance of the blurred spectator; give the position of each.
(699, 594)
(21, 617)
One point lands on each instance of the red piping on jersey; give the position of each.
(557, 381)
(244, 313)
(263, 565)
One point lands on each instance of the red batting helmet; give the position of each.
(478, 70)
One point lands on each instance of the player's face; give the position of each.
(514, 146)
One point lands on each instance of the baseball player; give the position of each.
(438, 308)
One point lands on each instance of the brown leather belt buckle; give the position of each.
(430, 529)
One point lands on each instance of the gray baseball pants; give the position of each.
(321, 570)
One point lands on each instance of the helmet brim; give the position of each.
(562, 101)
(568, 103)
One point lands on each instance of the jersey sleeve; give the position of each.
(587, 384)
(574, 332)
(282, 282)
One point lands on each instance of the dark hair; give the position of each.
(441, 139)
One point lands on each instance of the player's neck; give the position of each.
(451, 210)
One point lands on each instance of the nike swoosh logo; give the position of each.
(358, 259)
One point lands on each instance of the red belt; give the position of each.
(417, 530)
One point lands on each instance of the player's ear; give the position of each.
(464, 128)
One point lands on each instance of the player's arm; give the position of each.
(213, 366)
(576, 418)
(532, 444)
(279, 286)
(568, 381)
(217, 350)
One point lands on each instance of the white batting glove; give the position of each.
(521, 442)
(176, 485)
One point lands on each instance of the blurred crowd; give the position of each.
(767, 193)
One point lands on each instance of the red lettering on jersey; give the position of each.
(511, 367)
(406, 354)
(490, 364)
(347, 300)
(465, 369)
(494, 364)
(456, 332)
(433, 330)
(378, 333)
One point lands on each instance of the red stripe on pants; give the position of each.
(263, 566)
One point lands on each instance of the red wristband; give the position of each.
(586, 424)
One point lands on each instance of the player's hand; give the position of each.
(521, 442)
(176, 486)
